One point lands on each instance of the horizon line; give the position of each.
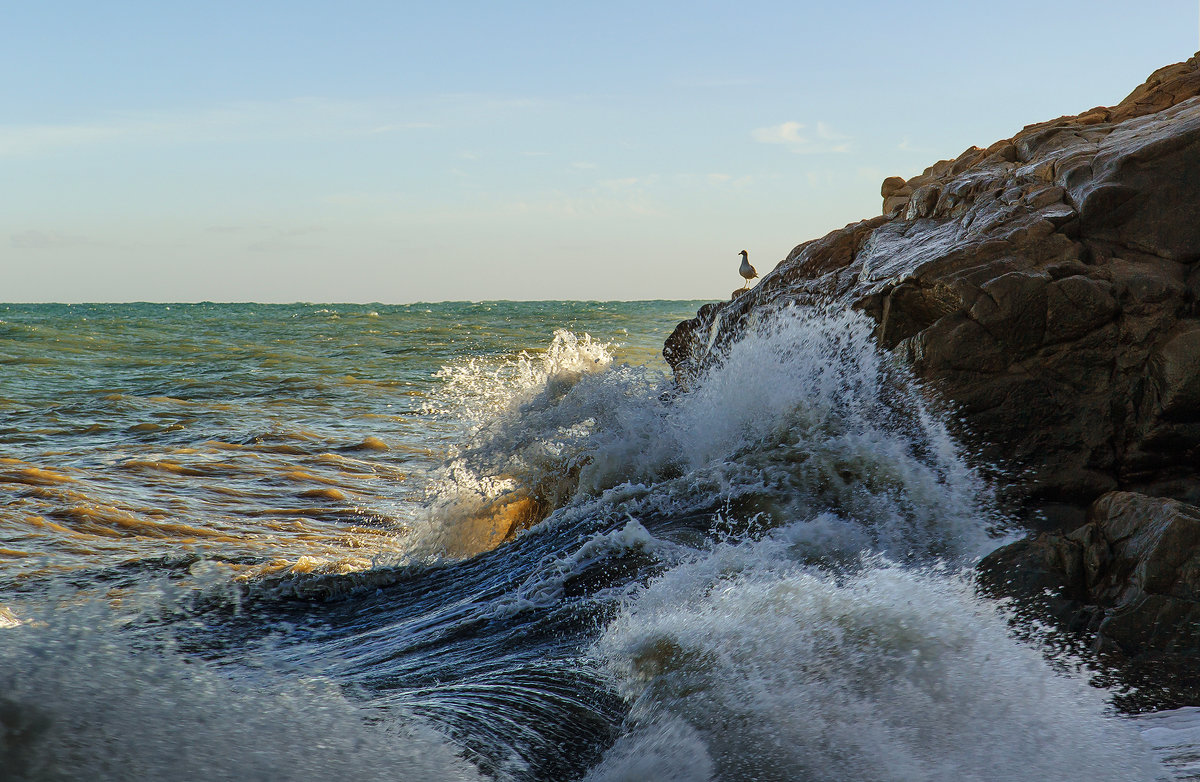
(353, 303)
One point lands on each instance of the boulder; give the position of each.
(1130, 576)
(1046, 286)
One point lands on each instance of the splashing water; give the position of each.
(517, 451)
(753, 661)
(804, 419)
(772, 671)
(81, 700)
(763, 577)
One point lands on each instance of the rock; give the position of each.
(1166, 87)
(894, 205)
(1131, 575)
(1176, 369)
(892, 186)
(1046, 285)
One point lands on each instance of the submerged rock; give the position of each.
(1046, 285)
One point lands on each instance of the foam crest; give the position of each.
(527, 425)
(805, 415)
(803, 418)
(1174, 737)
(782, 672)
(668, 750)
(478, 390)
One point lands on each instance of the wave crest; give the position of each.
(803, 418)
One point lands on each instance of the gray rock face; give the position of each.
(1131, 574)
(1046, 285)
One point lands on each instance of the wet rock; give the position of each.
(1130, 575)
(1047, 286)
(1175, 368)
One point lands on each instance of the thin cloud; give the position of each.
(585, 208)
(906, 145)
(626, 183)
(491, 102)
(869, 173)
(784, 133)
(304, 117)
(24, 140)
(822, 139)
(284, 239)
(618, 184)
(717, 83)
(826, 131)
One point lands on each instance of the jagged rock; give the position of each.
(1046, 285)
(1131, 575)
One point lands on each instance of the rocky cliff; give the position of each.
(1047, 285)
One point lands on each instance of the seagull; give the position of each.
(746, 270)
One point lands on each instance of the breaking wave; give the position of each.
(804, 419)
(765, 576)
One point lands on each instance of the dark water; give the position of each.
(462, 541)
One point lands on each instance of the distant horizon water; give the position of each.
(350, 303)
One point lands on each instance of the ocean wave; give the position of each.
(803, 419)
(763, 576)
(753, 666)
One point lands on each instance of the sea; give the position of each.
(498, 541)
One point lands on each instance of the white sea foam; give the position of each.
(79, 699)
(748, 661)
(782, 672)
(478, 391)
(804, 419)
(1175, 738)
(503, 442)
(753, 659)
(665, 750)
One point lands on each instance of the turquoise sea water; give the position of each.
(139, 427)
(494, 541)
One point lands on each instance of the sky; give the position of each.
(395, 152)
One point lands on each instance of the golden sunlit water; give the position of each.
(265, 438)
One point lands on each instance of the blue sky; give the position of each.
(396, 152)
